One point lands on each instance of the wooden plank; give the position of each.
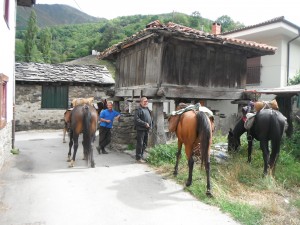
(202, 93)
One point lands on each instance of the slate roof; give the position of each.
(274, 20)
(156, 28)
(85, 74)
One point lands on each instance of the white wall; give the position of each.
(7, 53)
(294, 66)
(7, 62)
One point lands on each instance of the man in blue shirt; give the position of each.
(106, 119)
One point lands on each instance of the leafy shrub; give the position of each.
(163, 154)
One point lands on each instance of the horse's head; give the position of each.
(233, 141)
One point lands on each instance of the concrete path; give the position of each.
(37, 188)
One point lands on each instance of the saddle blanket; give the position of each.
(196, 107)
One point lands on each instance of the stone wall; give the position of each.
(6, 143)
(123, 133)
(29, 114)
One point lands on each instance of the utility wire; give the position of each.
(77, 5)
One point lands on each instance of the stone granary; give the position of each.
(45, 91)
(171, 61)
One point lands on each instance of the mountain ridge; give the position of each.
(53, 15)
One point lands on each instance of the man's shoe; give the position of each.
(140, 161)
(98, 150)
(104, 152)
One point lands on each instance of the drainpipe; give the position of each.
(13, 138)
(288, 57)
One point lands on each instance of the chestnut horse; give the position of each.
(84, 120)
(67, 121)
(194, 130)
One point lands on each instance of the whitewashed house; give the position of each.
(272, 71)
(7, 68)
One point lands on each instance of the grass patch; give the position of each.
(239, 187)
(131, 147)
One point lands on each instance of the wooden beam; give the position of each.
(174, 92)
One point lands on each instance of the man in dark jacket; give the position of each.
(143, 123)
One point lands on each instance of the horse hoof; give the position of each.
(209, 194)
(175, 174)
(187, 184)
(92, 165)
(64, 141)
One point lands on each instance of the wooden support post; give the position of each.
(158, 135)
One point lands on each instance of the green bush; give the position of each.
(163, 154)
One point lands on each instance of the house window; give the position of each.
(253, 71)
(6, 12)
(54, 97)
(3, 100)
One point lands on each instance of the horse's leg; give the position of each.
(274, 155)
(264, 145)
(75, 137)
(207, 169)
(84, 152)
(70, 146)
(64, 134)
(178, 157)
(91, 152)
(190, 164)
(250, 148)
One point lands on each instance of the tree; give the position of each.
(226, 23)
(296, 79)
(45, 44)
(30, 36)
(195, 20)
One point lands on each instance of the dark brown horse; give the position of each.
(269, 125)
(194, 130)
(101, 105)
(67, 116)
(84, 120)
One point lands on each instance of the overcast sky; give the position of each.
(246, 12)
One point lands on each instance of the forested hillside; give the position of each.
(52, 15)
(45, 40)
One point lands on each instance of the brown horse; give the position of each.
(83, 120)
(194, 130)
(101, 105)
(67, 115)
(67, 121)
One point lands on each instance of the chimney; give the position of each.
(216, 28)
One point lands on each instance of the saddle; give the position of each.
(82, 101)
(196, 107)
(265, 105)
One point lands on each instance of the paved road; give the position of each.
(37, 188)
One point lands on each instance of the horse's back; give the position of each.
(187, 126)
(269, 124)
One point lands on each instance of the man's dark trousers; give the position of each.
(142, 141)
(104, 137)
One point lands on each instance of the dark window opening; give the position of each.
(253, 71)
(3, 100)
(54, 97)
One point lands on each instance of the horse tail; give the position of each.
(205, 134)
(86, 129)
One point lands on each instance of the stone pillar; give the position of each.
(123, 133)
(158, 135)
